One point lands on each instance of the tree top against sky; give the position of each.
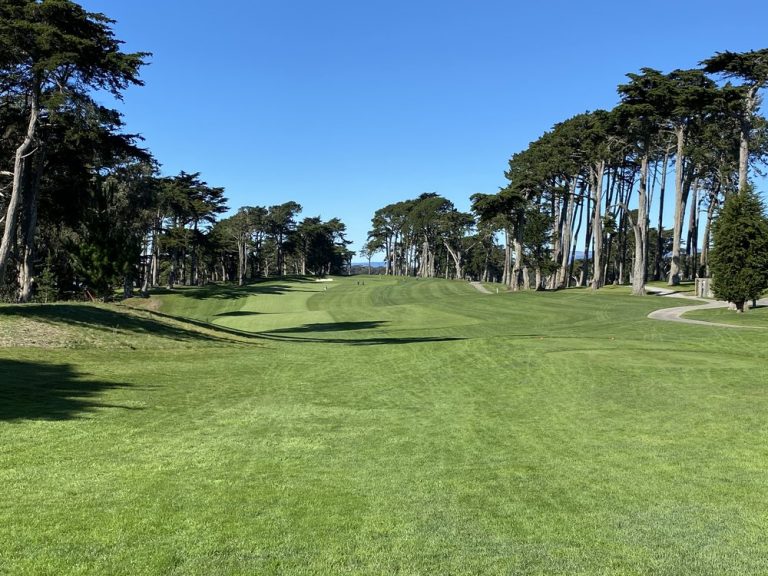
(346, 106)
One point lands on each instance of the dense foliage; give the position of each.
(83, 208)
(600, 178)
(740, 255)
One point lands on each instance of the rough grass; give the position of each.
(400, 427)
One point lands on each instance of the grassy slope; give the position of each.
(404, 426)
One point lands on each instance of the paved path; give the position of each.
(480, 288)
(676, 314)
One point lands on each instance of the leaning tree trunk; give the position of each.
(16, 190)
(576, 227)
(457, 256)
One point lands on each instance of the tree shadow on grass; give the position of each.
(231, 291)
(330, 327)
(107, 320)
(39, 391)
(288, 334)
(378, 341)
(239, 313)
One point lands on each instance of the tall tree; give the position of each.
(502, 211)
(641, 112)
(751, 68)
(454, 229)
(53, 53)
(685, 100)
(281, 221)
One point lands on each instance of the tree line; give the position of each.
(83, 206)
(602, 177)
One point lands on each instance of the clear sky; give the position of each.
(348, 105)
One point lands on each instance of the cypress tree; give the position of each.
(740, 254)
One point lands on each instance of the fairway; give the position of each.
(379, 425)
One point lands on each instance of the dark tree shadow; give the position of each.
(239, 313)
(232, 291)
(376, 341)
(39, 391)
(288, 334)
(291, 334)
(330, 327)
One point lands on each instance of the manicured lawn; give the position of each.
(396, 427)
(754, 317)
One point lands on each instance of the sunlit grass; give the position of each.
(401, 426)
(755, 317)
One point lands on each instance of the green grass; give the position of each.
(401, 427)
(754, 317)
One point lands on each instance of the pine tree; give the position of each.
(740, 255)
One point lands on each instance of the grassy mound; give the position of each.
(396, 426)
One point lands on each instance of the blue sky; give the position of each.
(345, 106)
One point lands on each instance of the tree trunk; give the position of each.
(691, 245)
(587, 242)
(16, 191)
(567, 237)
(597, 225)
(29, 224)
(519, 274)
(241, 260)
(506, 274)
(640, 228)
(156, 249)
(745, 129)
(674, 267)
(457, 257)
(657, 265)
(704, 257)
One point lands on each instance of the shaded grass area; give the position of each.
(47, 391)
(556, 433)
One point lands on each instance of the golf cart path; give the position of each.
(480, 288)
(676, 314)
